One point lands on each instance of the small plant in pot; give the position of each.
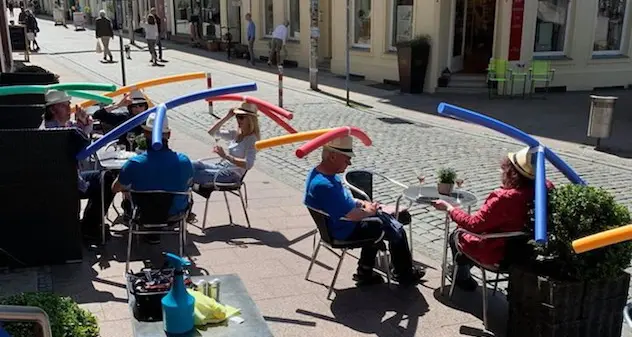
(141, 144)
(563, 293)
(447, 177)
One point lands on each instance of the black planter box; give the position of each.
(542, 307)
(412, 62)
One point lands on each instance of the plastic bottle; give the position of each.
(177, 305)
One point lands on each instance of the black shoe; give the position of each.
(365, 277)
(464, 282)
(93, 235)
(412, 278)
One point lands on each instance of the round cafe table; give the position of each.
(425, 195)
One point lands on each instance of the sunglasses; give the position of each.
(240, 117)
(138, 105)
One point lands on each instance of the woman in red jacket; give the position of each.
(505, 210)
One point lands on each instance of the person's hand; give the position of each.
(125, 101)
(81, 115)
(371, 208)
(442, 205)
(220, 151)
(231, 112)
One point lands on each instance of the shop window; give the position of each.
(268, 17)
(609, 28)
(551, 29)
(211, 19)
(401, 22)
(182, 15)
(361, 23)
(293, 7)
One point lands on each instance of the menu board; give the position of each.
(17, 34)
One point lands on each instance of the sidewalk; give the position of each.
(271, 258)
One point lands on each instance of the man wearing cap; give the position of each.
(324, 191)
(57, 115)
(506, 209)
(164, 170)
(135, 102)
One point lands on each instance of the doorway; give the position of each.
(472, 35)
(234, 20)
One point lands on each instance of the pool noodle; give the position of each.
(156, 132)
(541, 194)
(288, 139)
(323, 139)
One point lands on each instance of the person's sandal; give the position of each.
(191, 218)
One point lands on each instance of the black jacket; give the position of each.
(31, 24)
(114, 119)
(103, 28)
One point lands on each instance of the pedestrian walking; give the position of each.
(279, 38)
(104, 32)
(251, 38)
(11, 6)
(151, 35)
(160, 32)
(31, 30)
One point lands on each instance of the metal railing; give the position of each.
(14, 313)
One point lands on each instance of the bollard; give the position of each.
(209, 85)
(280, 86)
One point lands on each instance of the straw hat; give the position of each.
(151, 120)
(56, 96)
(523, 161)
(342, 145)
(246, 109)
(137, 97)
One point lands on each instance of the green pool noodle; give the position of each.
(22, 89)
(90, 96)
(83, 86)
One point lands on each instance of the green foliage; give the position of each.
(141, 142)
(67, 319)
(576, 211)
(447, 175)
(419, 40)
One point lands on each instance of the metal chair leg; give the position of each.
(311, 263)
(181, 238)
(103, 208)
(496, 284)
(455, 270)
(484, 298)
(130, 234)
(230, 215)
(333, 281)
(245, 193)
(205, 213)
(243, 205)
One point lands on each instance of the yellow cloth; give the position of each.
(207, 310)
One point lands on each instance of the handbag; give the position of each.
(99, 49)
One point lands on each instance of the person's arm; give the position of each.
(287, 31)
(339, 204)
(125, 177)
(216, 127)
(488, 217)
(251, 153)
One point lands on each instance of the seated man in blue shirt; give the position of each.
(324, 191)
(164, 170)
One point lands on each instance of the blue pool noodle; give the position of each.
(561, 165)
(140, 118)
(540, 197)
(156, 132)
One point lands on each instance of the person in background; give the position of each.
(506, 209)
(31, 30)
(324, 191)
(152, 35)
(164, 170)
(11, 7)
(104, 32)
(153, 12)
(250, 35)
(58, 115)
(135, 103)
(279, 38)
(22, 15)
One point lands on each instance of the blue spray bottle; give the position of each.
(177, 305)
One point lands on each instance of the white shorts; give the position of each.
(30, 36)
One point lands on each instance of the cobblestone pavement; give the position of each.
(400, 148)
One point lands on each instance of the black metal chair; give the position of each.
(232, 188)
(515, 241)
(326, 240)
(150, 215)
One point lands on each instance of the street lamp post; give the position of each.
(314, 35)
(118, 27)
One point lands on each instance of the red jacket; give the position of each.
(505, 210)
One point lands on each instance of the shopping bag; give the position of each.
(99, 49)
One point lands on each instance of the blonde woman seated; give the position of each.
(241, 148)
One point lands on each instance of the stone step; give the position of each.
(462, 90)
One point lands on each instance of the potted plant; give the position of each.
(88, 14)
(65, 316)
(412, 60)
(213, 45)
(141, 144)
(447, 177)
(560, 293)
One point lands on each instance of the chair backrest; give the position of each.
(321, 219)
(540, 68)
(517, 251)
(500, 68)
(363, 180)
(152, 207)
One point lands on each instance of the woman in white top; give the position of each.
(241, 148)
(151, 35)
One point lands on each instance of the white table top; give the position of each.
(111, 159)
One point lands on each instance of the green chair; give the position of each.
(540, 71)
(499, 72)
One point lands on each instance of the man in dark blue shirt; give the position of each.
(164, 170)
(324, 191)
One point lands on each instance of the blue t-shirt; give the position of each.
(164, 170)
(326, 193)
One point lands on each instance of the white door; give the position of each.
(459, 15)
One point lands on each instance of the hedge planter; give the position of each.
(542, 307)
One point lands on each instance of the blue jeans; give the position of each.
(207, 173)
